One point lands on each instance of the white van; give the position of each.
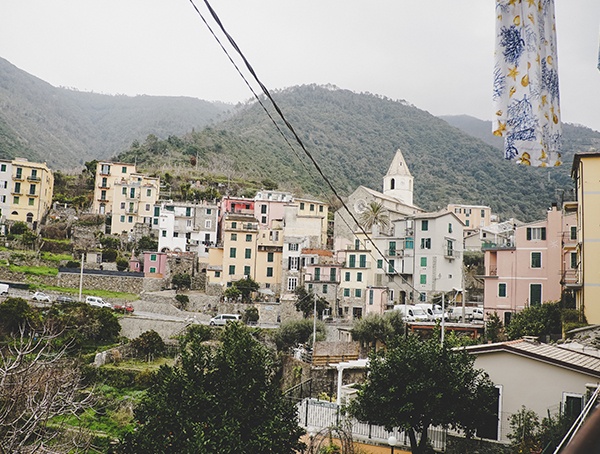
(4, 289)
(96, 301)
(223, 319)
(434, 311)
(412, 313)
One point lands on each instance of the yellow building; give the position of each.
(125, 194)
(473, 216)
(28, 188)
(586, 173)
(234, 258)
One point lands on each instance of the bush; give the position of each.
(296, 332)
(183, 301)
(122, 264)
(109, 255)
(181, 281)
(18, 228)
(250, 315)
(147, 345)
(72, 264)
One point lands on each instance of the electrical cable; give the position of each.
(291, 129)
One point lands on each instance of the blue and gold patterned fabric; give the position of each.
(526, 96)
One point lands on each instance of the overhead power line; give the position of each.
(267, 93)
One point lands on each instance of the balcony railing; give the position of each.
(31, 178)
(492, 245)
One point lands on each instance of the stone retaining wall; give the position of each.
(126, 284)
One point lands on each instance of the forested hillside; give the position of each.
(576, 138)
(65, 128)
(353, 137)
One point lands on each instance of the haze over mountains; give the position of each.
(352, 136)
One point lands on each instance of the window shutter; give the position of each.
(528, 233)
(543, 233)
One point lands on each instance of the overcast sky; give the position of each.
(436, 54)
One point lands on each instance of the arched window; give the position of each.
(392, 184)
(30, 217)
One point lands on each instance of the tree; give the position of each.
(148, 344)
(541, 320)
(122, 264)
(220, 398)
(250, 315)
(378, 328)
(146, 243)
(415, 384)
(296, 332)
(39, 386)
(524, 435)
(245, 287)
(374, 214)
(181, 281)
(494, 328)
(15, 314)
(83, 324)
(305, 302)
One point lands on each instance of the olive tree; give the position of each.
(415, 384)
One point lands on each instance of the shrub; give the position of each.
(183, 301)
(181, 281)
(250, 315)
(18, 228)
(122, 264)
(148, 344)
(109, 255)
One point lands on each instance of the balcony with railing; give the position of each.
(505, 245)
(571, 278)
(34, 178)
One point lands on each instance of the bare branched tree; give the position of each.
(39, 387)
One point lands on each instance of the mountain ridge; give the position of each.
(352, 136)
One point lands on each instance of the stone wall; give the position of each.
(128, 284)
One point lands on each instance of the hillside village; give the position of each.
(382, 253)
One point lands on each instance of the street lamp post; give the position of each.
(392, 441)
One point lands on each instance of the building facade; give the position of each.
(129, 197)
(585, 281)
(186, 226)
(527, 269)
(26, 190)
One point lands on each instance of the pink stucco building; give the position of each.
(529, 268)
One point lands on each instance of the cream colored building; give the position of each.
(542, 377)
(586, 173)
(125, 194)
(473, 216)
(26, 191)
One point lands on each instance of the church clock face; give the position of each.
(360, 205)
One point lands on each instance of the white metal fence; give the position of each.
(317, 414)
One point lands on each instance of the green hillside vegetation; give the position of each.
(236, 150)
(576, 138)
(353, 137)
(65, 128)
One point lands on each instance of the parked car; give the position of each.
(64, 299)
(40, 296)
(126, 308)
(4, 289)
(223, 319)
(96, 301)
(411, 313)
